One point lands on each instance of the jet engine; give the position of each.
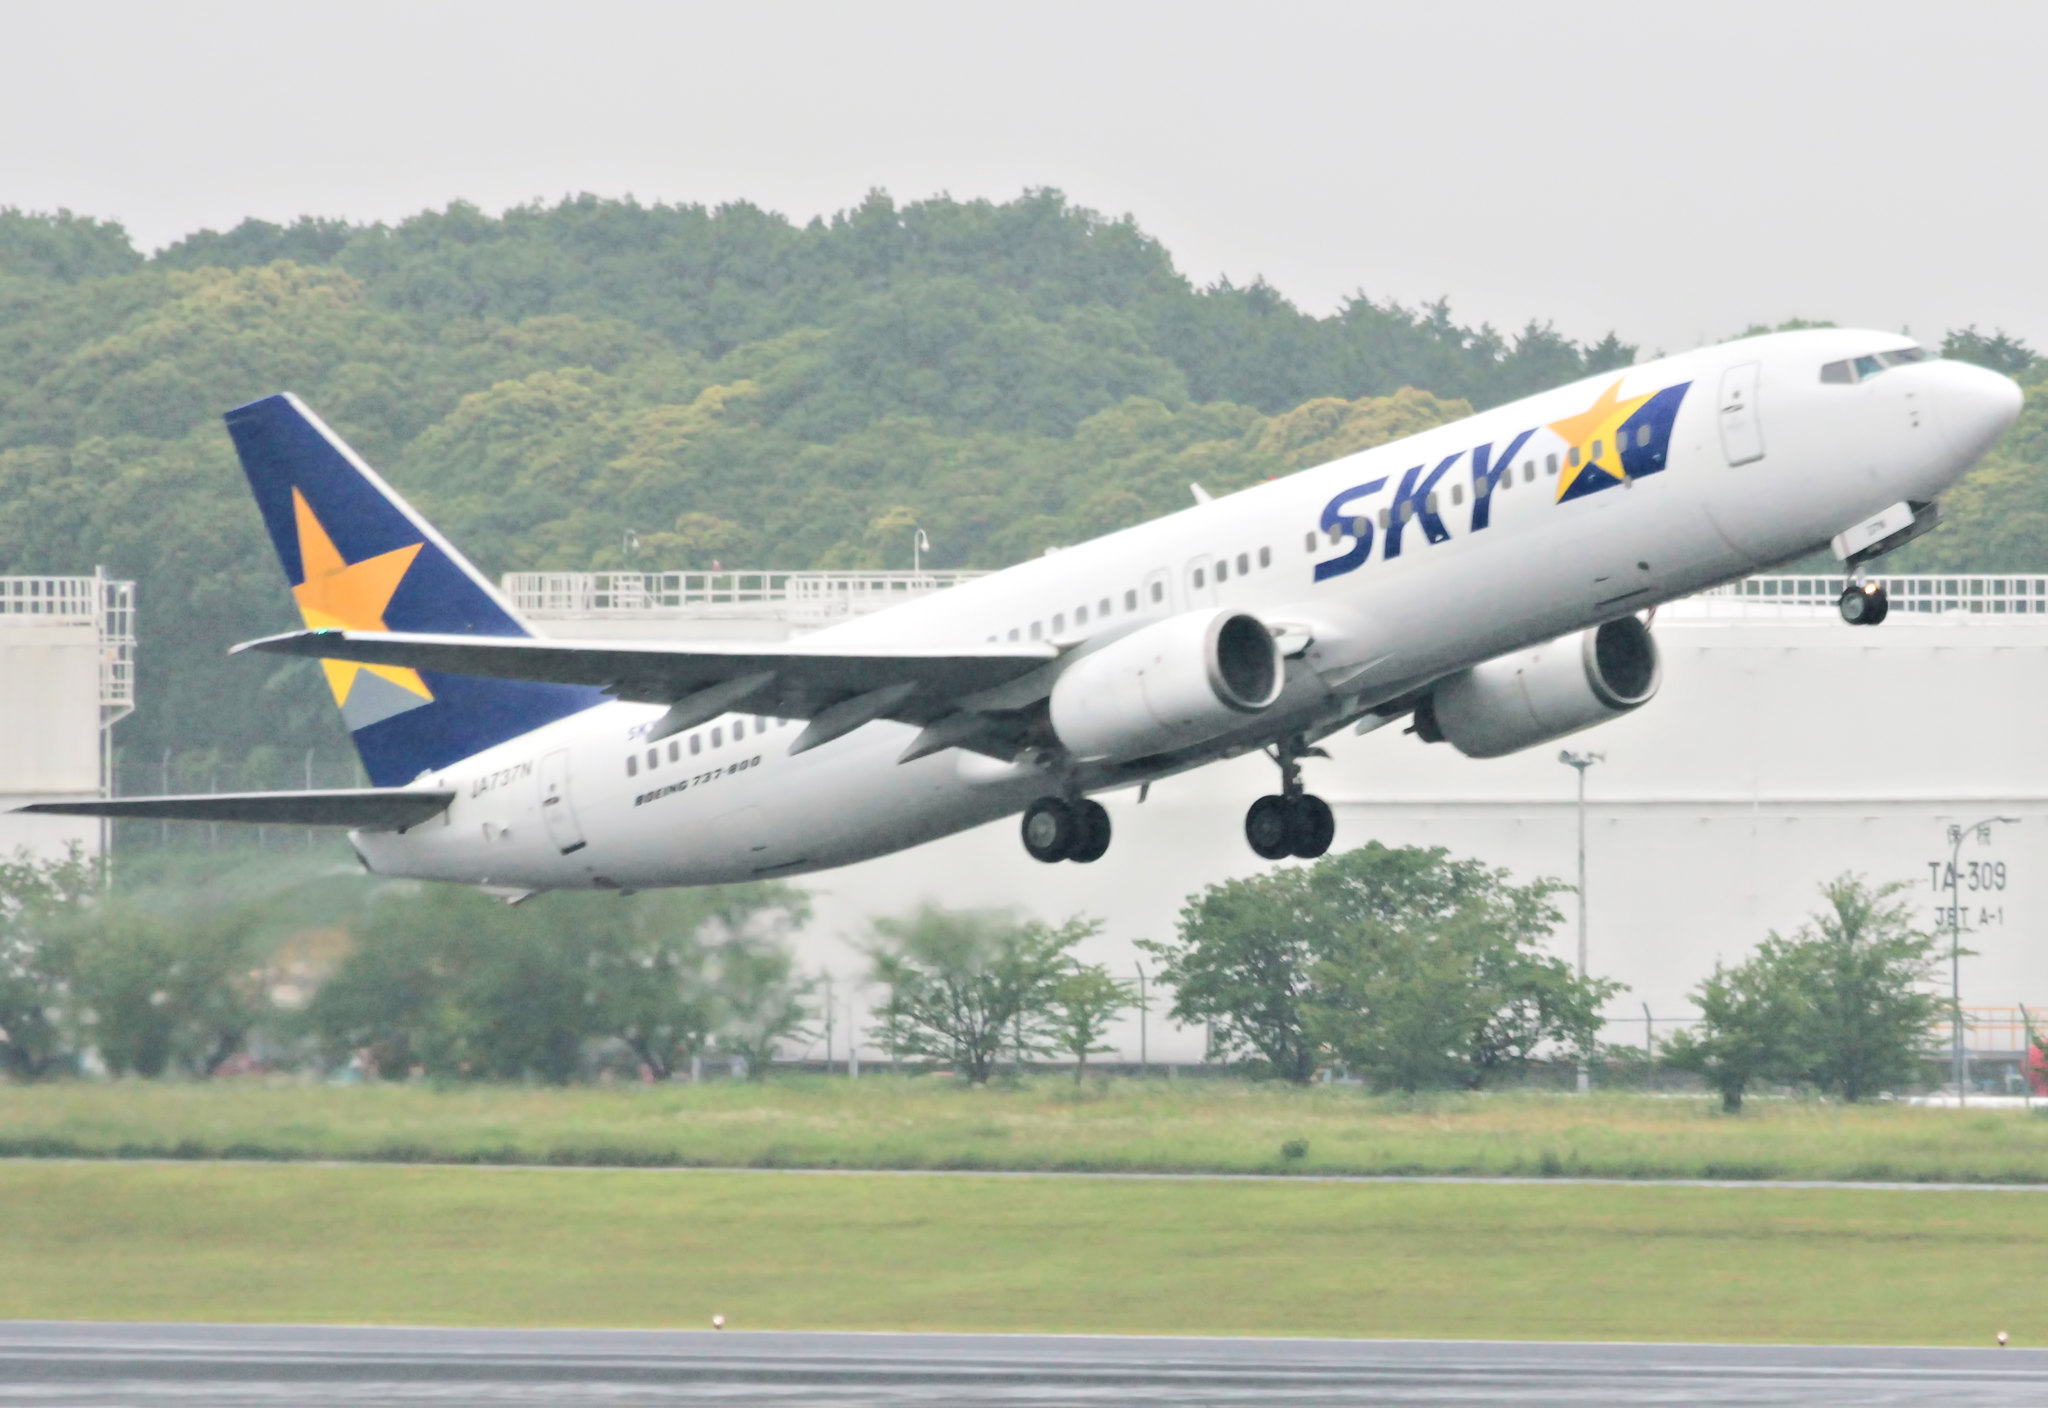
(1168, 685)
(1518, 701)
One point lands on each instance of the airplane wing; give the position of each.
(837, 690)
(364, 808)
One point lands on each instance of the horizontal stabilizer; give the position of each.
(362, 808)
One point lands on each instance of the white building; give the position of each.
(67, 648)
(1785, 748)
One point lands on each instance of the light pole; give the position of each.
(1579, 762)
(1143, 1056)
(1955, 944)
(919, 546)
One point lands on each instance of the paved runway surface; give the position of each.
(72, 1364)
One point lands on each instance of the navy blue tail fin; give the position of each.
(358, 557)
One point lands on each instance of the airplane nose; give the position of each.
(1975, 405)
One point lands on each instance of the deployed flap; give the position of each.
(361, 808)
(808, 679)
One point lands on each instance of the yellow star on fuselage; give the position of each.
(1590, 436)
(350, 596)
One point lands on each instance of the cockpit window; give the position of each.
(1855, 369)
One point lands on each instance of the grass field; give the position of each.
(864, 1251)
(905, 1123)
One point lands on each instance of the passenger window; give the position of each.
(1573, 458)
(632, 766)
(1131, 598)
(1432, 501)
(1407, 509)
(1550, 465)
(1642, 436)
(1037, 629)
(1158, 592)
(1383, 521)
(696, 744)
(1080, 615)
(760, 725)
(1311, 542)
(1059, 622)
(1102, 608)
(1361, 524)
(1244, 563)
(1457, 495)
(1222, 569)
(1507, 481)
(718, 738)
(675, 750)
(1013, 633)
(739, 729)
(1528, 471)
(1837, 373)
(1200, 580)
(653, 759)
(1265, 557)
(1337, 531)
(1596, 452)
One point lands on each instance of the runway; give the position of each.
(91, 1364)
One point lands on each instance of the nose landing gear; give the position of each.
(1863, 603)
(1056, 830)
(1295, 823)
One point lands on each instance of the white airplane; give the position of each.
(1485, 579)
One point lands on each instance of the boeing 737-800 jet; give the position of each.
(1486, 579)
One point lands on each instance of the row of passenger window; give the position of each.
(1854, 369)
(1222, 565)
(696, 743)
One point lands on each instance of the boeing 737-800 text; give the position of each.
(1487, 579)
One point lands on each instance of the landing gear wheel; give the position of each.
(1864, 605)
(1310, 826)
(1267, 828)
(1093, 823)
(1050, 829)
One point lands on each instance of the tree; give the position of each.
(41, 902)
(1243, 962)
(1744, 1033)
(763, 1003)
(1861, 972)
(653, 979)
(1999, 351)
(1841, 1005)
(1410, 968)
(1085, 1001)
(156, 990)
(1435, 976)
(964, 984)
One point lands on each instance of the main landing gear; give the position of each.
(1295, 823)
(1056, 829)
(1863, 603)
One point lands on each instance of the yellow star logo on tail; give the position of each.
(350, 596)
(1590, 437)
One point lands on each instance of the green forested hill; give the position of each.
(721, 383)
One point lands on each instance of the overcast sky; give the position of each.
(1673, 172)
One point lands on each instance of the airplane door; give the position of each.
(555, 811)
(1742, 434)
(1201, 582)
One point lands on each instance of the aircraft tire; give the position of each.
(1050, 830)
(1310, 827)
(1093, 840)
(1864, 606)
(1266, 828)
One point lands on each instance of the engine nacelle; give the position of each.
(1518, 701)
(1172, 684)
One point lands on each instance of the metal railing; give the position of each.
(807, 597)
(2011, 594)
(67, 598)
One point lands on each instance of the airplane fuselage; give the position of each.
(1392, 567)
